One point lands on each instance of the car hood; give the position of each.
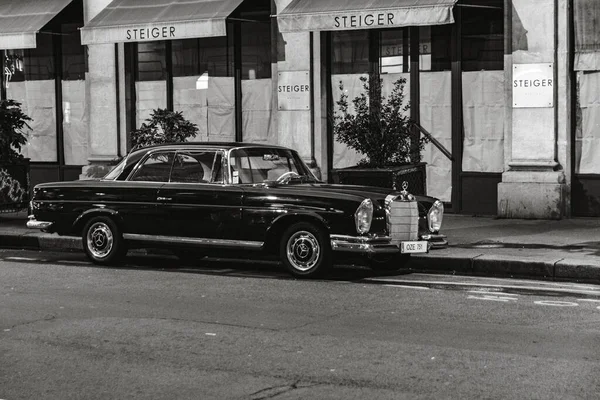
(358, 192)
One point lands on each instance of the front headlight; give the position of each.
(435, 216)
(364, 216)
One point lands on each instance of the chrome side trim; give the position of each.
(247, 244)
(35, 224)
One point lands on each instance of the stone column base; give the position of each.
(532, 195)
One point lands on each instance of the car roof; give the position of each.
(215, 145)
(210, 145)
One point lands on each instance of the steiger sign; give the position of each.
(533, 85)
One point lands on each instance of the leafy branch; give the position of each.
(13, 137)
(163, 126)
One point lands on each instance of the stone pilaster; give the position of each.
(537, 144)
(101, 85)
(294, 127)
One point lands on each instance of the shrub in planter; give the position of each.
(163, 126)
(13, 123)
(380, 130)
(14, 168)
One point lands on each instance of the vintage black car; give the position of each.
(199, 197)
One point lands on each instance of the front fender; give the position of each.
(279, 224)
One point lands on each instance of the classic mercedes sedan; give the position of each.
(196, 198)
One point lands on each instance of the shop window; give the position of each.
(350, 52)
(73, 53)
(256, 50)
(482, 35)
(434, 48)
(75, 113)
(14, 67)
(31, 81)
(394, 51)
(31, 64)
(193, 57)
(151, 61)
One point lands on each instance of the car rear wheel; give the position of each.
(389, 263)
(305, 250)
(102, 241)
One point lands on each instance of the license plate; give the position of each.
(414, 247)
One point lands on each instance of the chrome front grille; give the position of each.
(402, 218)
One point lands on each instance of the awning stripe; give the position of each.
(328, 15)
(21, 20)
(138, 21)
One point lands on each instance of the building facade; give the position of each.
(506, 86)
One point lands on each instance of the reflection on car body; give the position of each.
(199, 197)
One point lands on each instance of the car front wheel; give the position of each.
(102, 241)
(305, 250)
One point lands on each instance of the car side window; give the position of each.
(156, 168)
(260, 165)
(197, 167)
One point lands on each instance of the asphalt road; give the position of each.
(155, 330)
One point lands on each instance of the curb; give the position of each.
(41, 242)
(571, 270)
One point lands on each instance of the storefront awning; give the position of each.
(141, 20)
(336, 15)
(21, 20)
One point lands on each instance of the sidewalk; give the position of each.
(567, 250)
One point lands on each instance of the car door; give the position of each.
(137, 196)
(199, 203)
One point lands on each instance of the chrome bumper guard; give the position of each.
(363, 244)
(437, 240)
(35, 224)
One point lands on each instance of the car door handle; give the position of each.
(164, 198)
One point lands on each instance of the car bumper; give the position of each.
(363, 244)
(437, 240)
(35, 224)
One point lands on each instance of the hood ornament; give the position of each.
(404, 195)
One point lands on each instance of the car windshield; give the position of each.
(264, 164)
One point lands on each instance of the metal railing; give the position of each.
(435, 142)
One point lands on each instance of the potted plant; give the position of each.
(380, 130)
(14, 168)
(163, 126)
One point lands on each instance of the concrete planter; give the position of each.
(14, 186)
(389, 177)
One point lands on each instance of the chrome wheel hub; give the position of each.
(100, 240)
(303, 250)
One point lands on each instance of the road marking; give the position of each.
(487, 292)
(556, 303)
(590, 300)
(492, 298)
(545, 287)
(210, 334)
(22, 259)
(409, 287)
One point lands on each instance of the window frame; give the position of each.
(142, 162)
(217, 153)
